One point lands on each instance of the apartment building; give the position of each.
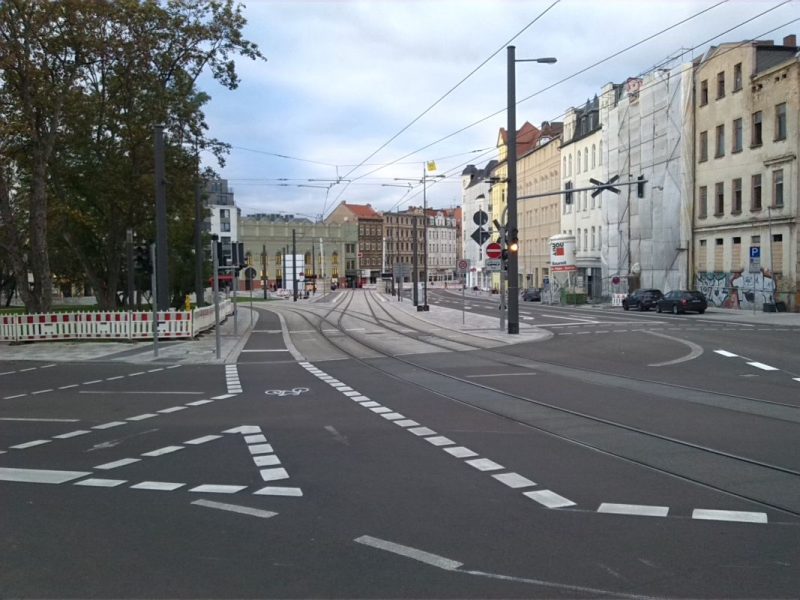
(367, 252)
(746, 107)
(476, 202)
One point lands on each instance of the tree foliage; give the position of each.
(83, 84)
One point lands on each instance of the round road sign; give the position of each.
(462, 265)
(494, 250)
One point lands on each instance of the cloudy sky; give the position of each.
(343, 78)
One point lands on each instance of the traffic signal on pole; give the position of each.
(568, 194)
(513, 242)
(141, 259)
(640, 186)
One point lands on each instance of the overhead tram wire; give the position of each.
(447, 93)
(606, 59)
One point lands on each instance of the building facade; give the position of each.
(647, 137)
(442, 247)
(538, 172)
(746, 106)
(399, 243)
(476, 221)
(222, 217)
(325, 249)
(366, 267)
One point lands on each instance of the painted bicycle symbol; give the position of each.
(281, 393)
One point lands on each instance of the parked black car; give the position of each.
(532, 295)
(642, 299)
(681, 301)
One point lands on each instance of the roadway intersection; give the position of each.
(349, 449)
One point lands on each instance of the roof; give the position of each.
(362, 211)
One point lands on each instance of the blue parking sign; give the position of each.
(755, 251)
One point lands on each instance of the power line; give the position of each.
(447, 93)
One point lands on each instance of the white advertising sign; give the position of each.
(562, 253)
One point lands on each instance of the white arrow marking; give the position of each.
(244, 429)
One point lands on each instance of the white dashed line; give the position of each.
(66, 387)
(266, 460)
(110, 425)
(729, 515)
(484, 464)
(30, 444)
(164, 450)
(549, 499)
(113, 378)
(440, 440)
(142, 417)
(159, 486)
(460, 452)
(260, 449)
(41, 391)
(726, 353)
(274, 474)
(92, 382)
(406, 423)
(172, 409)
(209, 488)
(634, 509)
(422, 431)
(514, 480)
(72, 434)
(762, 366)
(199, 402)
(392, 416)
(97, 482)
(40, 475)
(244, 510)
(255, 439)
(279, 491)
(202, 440)
(118, 463)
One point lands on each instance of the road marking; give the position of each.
(218, 489)
(92, 382)
(110, 425)
(392, 416)
(202, 440)
(199, 402)
(244, 510)
(260, 449)
(351, 394)
(422, 431)
(726, 353)
(418, 555)
(694, 350)
(381, 409)
(549, 499)
(30, 444)
(360, 398)
(500, 375)
(255, 439)
(164, 450)
(514, 480)
(118, 463)
(39, 420)
(267, 350)
(729, 515)
(369, 403)
(634, 509)
(40, 475)
(41, 391)
(149, 393)
(796, 378)
(440, 440)
(460, 452)
(72, 434)
(172, 409)
(762, 366)
(484, 464)
(136, 374)
(274, 474)
(98, 482)
(159, 486)
(266, 460)
(155, 370)
(406, 423)
(28, 369)
(66, 387)
(113, 378)
(142, 417)
(174, 367)
(12, 397)
(244, 429)
(223, 397)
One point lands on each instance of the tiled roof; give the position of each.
(363, 211)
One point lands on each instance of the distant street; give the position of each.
(352, 447)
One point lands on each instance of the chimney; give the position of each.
(790, 40)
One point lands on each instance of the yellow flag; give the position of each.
(431, 165)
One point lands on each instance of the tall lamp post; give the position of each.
(511, 225)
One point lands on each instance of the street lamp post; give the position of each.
(511, 225)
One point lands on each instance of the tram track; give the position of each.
(325, 320)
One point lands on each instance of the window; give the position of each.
(777, 188)
(702, 202)
(755, 198)
(780, 121)
(225, 213)
(703, 146)
(600, 152)
(756, 239)
(225, 227)
(564, 168)
(593, 238)
(585, 239)
(737, 77)
(578, 163)
(586, 158)
(704, 92)
(756, 135)
(578, 240)
(736, 202)
(569, 165)
(737, 135)
(720, 85)
(720, 141)
(719, 199)
(594, 156)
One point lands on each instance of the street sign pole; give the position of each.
(154, 297)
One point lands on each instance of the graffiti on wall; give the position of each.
(738, 289)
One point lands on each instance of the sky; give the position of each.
(356, 96)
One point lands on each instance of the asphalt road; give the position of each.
(354, 450)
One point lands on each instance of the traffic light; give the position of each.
(141, 259)
(640, 186)
(568, 195)
(513, 241)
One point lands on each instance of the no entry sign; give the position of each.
(494, 250)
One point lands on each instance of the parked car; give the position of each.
(681, 301)
(532, 295)
(642, 299)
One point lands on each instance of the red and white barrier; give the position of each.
(106, 325)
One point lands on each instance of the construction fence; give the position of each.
(109, 325)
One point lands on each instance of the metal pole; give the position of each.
(129, 259)
(235, 280)
(313, 268)
(199, 289)
(294, 265)
(463, 299)
(415, 274)
(511, 224)
(264, 277)
(771, 264)
(161, 263)
(215, 288)
(322, 264)
(153, 294)
(425, 238)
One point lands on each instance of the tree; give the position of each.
(136, 64)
